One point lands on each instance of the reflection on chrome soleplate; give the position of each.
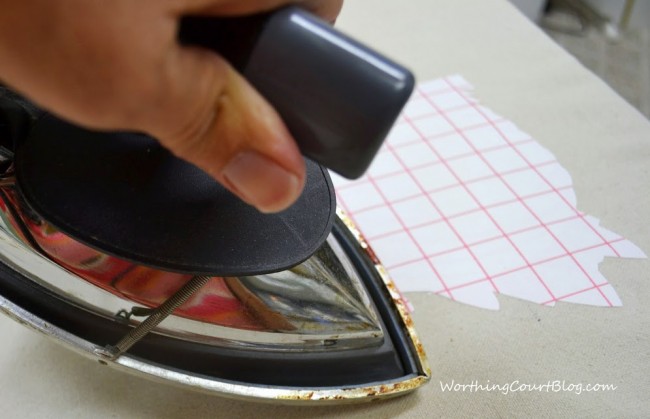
(317, 305)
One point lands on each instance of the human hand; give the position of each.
(117, 65)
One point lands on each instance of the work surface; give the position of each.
(602, 141)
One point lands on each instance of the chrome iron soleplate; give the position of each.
(360, 313)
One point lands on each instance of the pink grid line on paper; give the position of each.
(461, 203)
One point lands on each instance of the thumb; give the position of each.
(210, 116)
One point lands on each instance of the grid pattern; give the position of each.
(462, 203)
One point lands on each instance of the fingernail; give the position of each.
(261, 182)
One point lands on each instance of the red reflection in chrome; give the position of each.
(213, 303)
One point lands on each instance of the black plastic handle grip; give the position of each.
(337, 97)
